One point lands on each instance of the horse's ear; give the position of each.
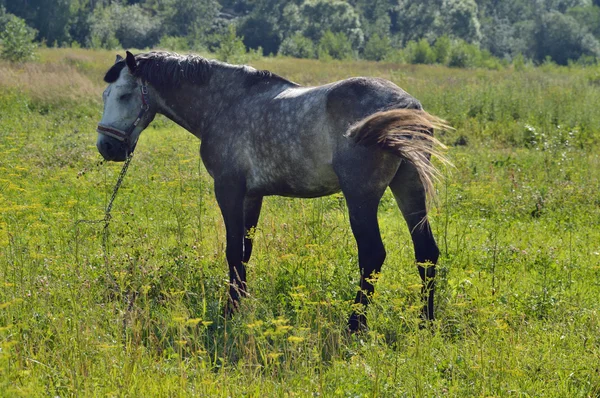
(119, 58)
(131, 63)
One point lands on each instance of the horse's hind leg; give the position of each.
(410, 196)
(363, 184)
(371, 253)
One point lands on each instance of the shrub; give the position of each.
(396, 56)
(442, 48)
(335, 45)
(297, 46)
(17, 41)
(519, 62)
(377, 48)
(587, 60)
(104, 39)
(419, 52)
(463, 55)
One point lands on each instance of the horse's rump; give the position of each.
(408, 133)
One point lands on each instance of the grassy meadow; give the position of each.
(517, 221)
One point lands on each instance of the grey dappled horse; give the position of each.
(264, 135)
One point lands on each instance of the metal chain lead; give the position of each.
(117, 186)
(106, 221)
(107, 215)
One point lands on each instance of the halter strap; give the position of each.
(123, 135)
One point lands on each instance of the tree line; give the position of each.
(453, 32)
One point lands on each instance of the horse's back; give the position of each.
(353, 99)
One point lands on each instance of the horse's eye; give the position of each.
(125, 97)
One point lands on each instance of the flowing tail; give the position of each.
(407, 133)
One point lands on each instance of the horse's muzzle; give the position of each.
(112, 149)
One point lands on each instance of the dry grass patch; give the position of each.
(48, 81)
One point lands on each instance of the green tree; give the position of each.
(292, 21)
(186, 18)
(460, 20)
(332, 16)
(415, 20)
(231, 48)
(374, 16)
(270, 22)
(4, 17)
(511, 10)
(499, 37)
(17, 40)
(588, 16)
(79, 27)
(51, 18)
(261, 30)
(136, 28)
(102, 30)
(562, 38)
(131, 26)
(563, 5)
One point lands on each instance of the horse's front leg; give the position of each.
(252, 206)
(230, 197)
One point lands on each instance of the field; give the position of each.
(517, 221)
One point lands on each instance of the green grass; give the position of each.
(517, 222)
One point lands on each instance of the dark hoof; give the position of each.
(235, 295)
(231, 307)
(357, 323)
(425, 323)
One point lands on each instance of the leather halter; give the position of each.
(123, 135)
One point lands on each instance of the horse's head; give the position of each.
(128, 110)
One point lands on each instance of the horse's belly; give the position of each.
(294, 181)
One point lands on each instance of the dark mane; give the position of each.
(169, 69)
(162, 69)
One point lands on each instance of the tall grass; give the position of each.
(517, 221)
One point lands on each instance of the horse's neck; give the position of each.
(196, 107)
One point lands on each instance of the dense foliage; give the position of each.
(472, 31)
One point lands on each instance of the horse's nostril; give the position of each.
(111, 149)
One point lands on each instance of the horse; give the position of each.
(262, 135)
